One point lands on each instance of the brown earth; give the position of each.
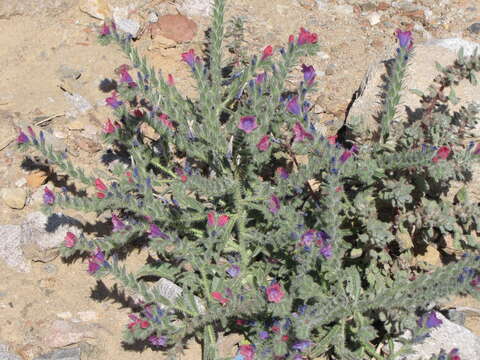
(41, 54)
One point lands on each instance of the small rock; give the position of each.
(454, 44)
(10, 248)
(330, 69)
(323, 55)
(431, 256)
(474, 28)
(343, 9)
(129, 26)
(226, 344)
(62, 354)
(195, 7)
(77, 124)
(374, 18)
(66, 72)
(60, 333)
(152, 17)
(87, 145)
(87, 315)
(178, 28)
(99, 9)
(50, 268)
(14, 198)
(20, 182)
(308, 4)
(80, 104)
(382, 6)
(36, 179)
(368, 6)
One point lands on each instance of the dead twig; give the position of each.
(43, 121)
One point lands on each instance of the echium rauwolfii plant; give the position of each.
(261, 225)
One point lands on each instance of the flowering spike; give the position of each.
(190, 58)
(306, 37)
(105, 30)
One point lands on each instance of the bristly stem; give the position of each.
(216, 47)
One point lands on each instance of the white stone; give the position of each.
(20, 182)
(195, 7)
(454, 44)
(129, 26)
(374, 18)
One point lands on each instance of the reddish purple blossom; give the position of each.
(157, 340)
(96, 261)
(260, 78)
(282, 172)
(442, 153)
(247, 351)
(70, 239)
(126, 78)
(404, 39)
(170, 80)
(454, 355)
(274, 293)
(113, 100)
(48, 196)
(293, 106)
(248, 123)
(118, 225)
(429, 320)
(190, 58)
(326, 251)
(345, 156)
(263, 335)
(223, 220)
(22, 138)
(164, 119)
(332, 140)
(155, 232)
(105, 30)
(309, 74)
(211, 219)
(100, 185)
(219, 297)
(477, 150)
(31, 132)
(110, 127)
(267, 52)
(274, 204)
(264, 143)
(306, 37)
(302, 345)
(300, 133)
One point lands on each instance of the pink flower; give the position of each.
(275, 293)
(113, 100)
(219, 297)
(309, 74)
(211, 219)
(442, 153)
(477, 150)
(291, 39)
(222, 220)
(300, 133)
(248, 351)
(166, 122)
(248, 123)
(100, 185)
(404, 39)
(293, 106)
(110, 127)
(22, 138)
(70, 239)
(260, 78)
(345, 156)
(264, 143)
(96, 261)
(282, 172)
(190, 58)
(274, 204)
(332, 140)
(306, 37)
(101, 195)
(48, 196)
(267, 52)
(105, 30)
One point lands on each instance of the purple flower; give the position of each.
(306, 37)
(190, 58)
(260, 78)
(22, 138)
(293, 106)
(309, 74)
(263, 335)
(105, 30)
(432, 320)
(282, 173)
(113, 100)
(233, 271)
(326, 251)
(127, 79)
(274, 204)
(264, 143)
(345, 156)
(404, 39)
(275, 293)
(96, 261)
(248, 123)
(155, 232)
(118, 224)
(48, 196)
(308, 237)
(157, 340)
(300, 133)
(302, 345)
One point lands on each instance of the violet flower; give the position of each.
(302, 345)
(157, 340)
(293, 106)
(309, 74)
(118, 224)
(248, 123)
(155, 232)
(48, 196)
(105, 30)
(282, 172)
(113, 101)
(233, 271)
(22, 138)
(96, 261)
(300, 133)
(190, 58)
(274, 204)
(264, 143)
(306, 37)
(260, 78)
(326, 251)
(404, 39)
(345, 156)
(247, 351)
(433, 321)
(263, 335)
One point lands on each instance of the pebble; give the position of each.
(77, 124)
(474, 28)
(65, 315)
(178, 28)
(62, 333)
(330, 69)
(20, 182)
(62, 354)
(88, 315)
(374, 18)
(152, 17)
(368, 6)
(129, 26)
(50, 268)
(14, 198)
(80, 104)
(36, 179)
(195, 7)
